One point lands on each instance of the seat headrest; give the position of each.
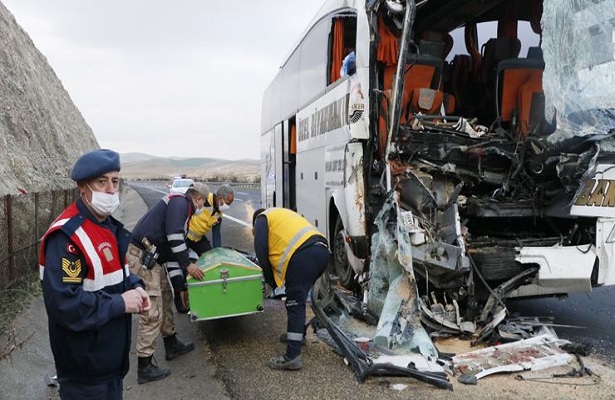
(506, 48)
(431, 48)
(444, 37)
(534, 52)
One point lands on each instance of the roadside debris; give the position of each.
(536, 353)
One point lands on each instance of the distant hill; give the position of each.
(145, 166)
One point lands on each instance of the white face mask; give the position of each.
(104, 203)
(223, 207)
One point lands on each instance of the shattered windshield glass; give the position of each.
(579, 77)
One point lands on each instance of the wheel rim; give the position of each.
(340, 260)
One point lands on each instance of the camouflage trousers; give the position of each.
(159, 319)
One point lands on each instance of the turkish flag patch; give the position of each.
(70, 248)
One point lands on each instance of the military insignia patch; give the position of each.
(71, 248)
(108, 254)
(72, 270)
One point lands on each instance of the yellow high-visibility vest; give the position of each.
(287, 231)
(204, 221)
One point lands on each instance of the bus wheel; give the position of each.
(341, 266)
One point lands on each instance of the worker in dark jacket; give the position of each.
(88, 290)
(161, 233)
(294, 254)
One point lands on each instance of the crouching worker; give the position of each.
(158, 253)
(209, 218)
(291, 253)
(88, 289)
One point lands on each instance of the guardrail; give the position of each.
(234, 185)
(240, 185)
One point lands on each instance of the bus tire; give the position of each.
(341, 266)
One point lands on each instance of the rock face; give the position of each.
(41, 130)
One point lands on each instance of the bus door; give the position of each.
(290, 200)
(284, 165)
(278, 147)
(278, 164)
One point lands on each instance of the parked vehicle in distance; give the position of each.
(181, 185)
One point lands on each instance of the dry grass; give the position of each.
(14, 299)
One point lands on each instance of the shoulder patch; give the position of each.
(70, 248)
(72, 270)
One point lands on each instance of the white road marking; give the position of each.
(244, 223)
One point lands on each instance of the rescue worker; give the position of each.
(210, 219)
(159, 239)
(294, 254)
(88, 290)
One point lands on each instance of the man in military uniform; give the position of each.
(88, 290)
(158, 239)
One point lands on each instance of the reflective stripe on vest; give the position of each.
(101, 279)
(98, 276)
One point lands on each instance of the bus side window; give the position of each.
(342, 44)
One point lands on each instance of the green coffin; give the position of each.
(232, 286)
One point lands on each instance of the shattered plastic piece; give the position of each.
(530, 354)
(463, 125)
(405, 361)
(467, 379)
(399, 386)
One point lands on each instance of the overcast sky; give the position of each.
(167, 77)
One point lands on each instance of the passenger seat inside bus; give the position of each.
(519, 94)
(462, 85)
(422, 80)
(439, 45)
(494, 51)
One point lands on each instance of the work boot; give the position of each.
(283, 363)
(181, 302)
(149, 372)
(174, 348)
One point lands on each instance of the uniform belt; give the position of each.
(134, 250)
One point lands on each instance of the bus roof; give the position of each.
(327, 7)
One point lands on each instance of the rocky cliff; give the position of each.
(41, 130)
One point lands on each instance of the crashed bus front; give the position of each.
(489, 173)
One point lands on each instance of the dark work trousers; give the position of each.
(199, 247)
(304, 268)
(111, 390)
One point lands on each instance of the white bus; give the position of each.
(464, 145)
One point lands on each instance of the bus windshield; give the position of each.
(579, 76)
